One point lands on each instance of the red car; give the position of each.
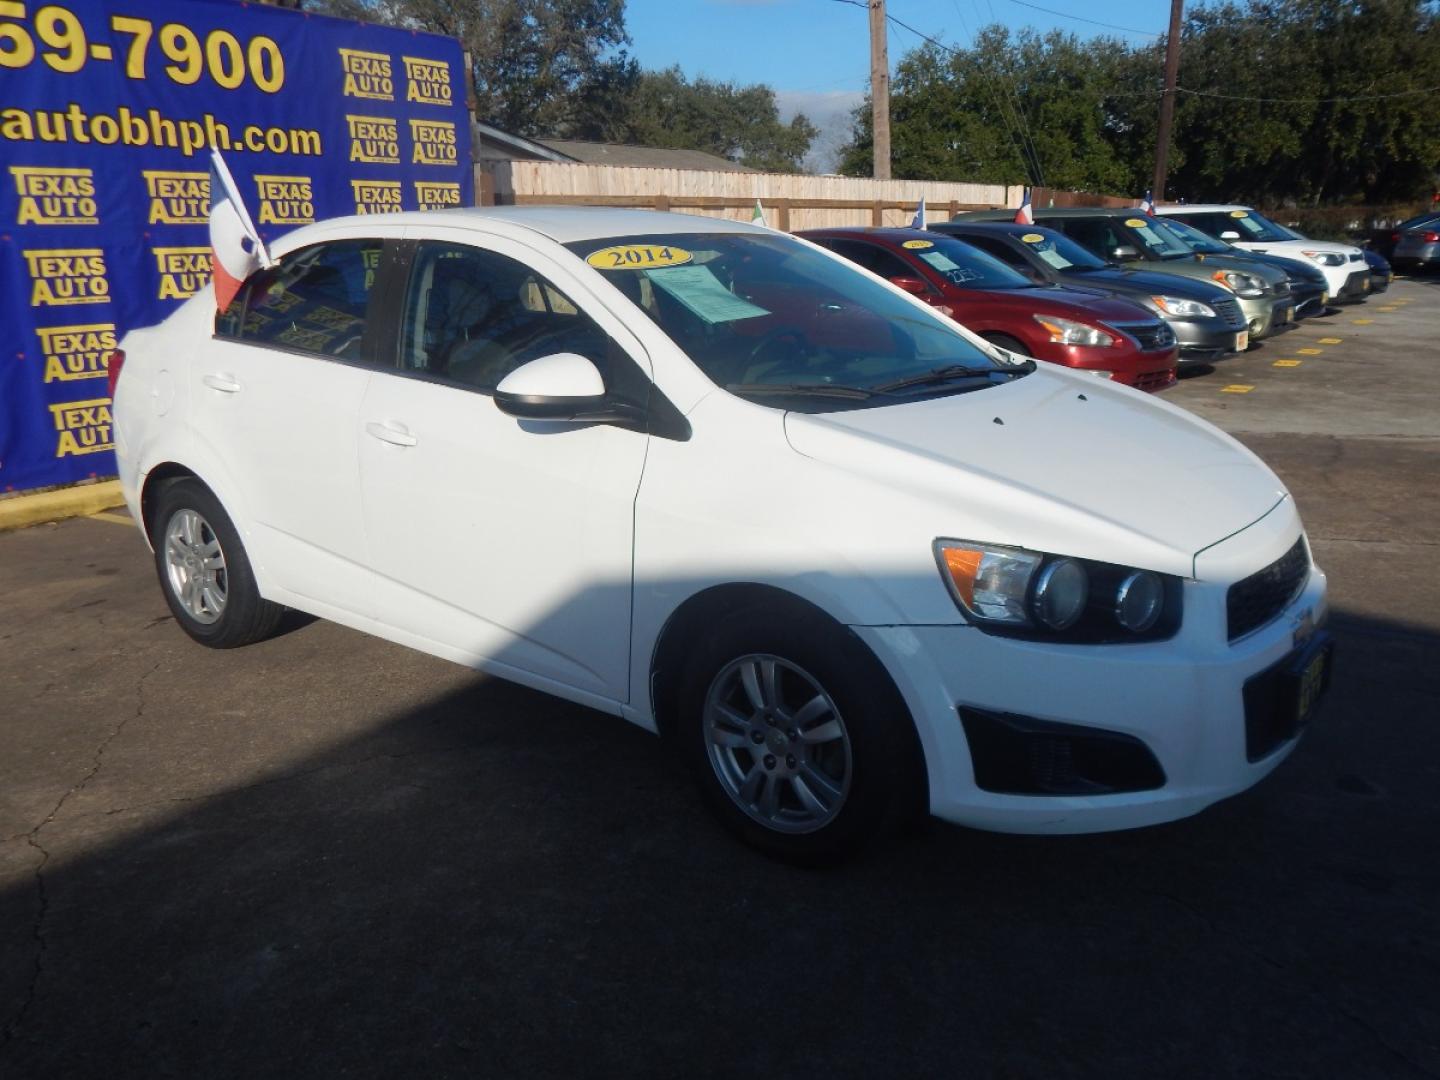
(1077, 328)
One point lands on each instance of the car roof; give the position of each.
(1010, 228)
(1201, 208)
(896, 233)
(563, 224)
(1051, 212)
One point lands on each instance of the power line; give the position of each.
(1092, 22)
(1014, 94)
(1308, 101)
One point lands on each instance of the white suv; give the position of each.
(1344, 266)
(853, 560)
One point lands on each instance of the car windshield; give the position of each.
(965, 266)
(1059, 251)
(1193, 238)
(1256, 227)
(776, 321)
(1158, 241)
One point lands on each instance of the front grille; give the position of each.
(1252, 603)
(1155, 380)
(1150, 335)
(1228, 308)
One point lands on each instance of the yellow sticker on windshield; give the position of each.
(1033, 238)
(918, 245)
(638, 257)
(1238, 213)
(1136, 223)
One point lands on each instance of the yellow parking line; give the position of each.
(1287, 363)
(1309, 352)
(1236, 388)
(118, 519)
(1362, 322)
(1387, 309)
(1330, 340)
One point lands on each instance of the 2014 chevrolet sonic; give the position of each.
(853, 560)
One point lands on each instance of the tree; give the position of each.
(741, 123)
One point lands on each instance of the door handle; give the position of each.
(224, 382)
(387, 434)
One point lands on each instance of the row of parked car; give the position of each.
(1414, 244)
(1122, 293)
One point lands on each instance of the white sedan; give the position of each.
(854, 561)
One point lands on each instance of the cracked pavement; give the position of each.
(329, 855)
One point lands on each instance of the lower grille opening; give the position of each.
(1020, 755)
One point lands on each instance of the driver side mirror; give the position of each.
(1229, 234)
(913, 285)
(563, 386)
(568, 388)
(1124, 251)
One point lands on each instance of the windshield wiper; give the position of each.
(954, 371)
(814, 389)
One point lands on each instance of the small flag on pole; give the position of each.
(1147, 204)
(758, 217)
(236, 249)
(1023, 216)
(918, 221)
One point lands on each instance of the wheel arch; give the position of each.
(157, 480)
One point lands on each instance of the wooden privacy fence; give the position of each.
(790, 201)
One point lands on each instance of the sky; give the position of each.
(815, 54)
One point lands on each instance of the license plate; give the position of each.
(1242, 341)
(1312, 684)
(1324, 298)
(1287, 315)
(1365, 285)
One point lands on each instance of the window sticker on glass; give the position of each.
(918, 245)
(1055, 259)
(1033, 238)
(700, 290)
(638, 257)
(1135, 222)
(940, 261)
(1238, 214)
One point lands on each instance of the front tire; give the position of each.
(799, 741)
(204, 571)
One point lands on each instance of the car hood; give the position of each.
(1055, 461)
(1058, 300)
(1143, 282)
(1296, 249)
(1271, 275)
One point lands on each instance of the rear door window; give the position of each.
(315, 300)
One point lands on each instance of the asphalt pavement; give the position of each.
(326, 855)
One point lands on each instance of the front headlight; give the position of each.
(1174, 305)
(1015, 592)
(1241, 284)
(1070, 332)
(1326, 258)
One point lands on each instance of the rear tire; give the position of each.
(204, 572)
(797, 737)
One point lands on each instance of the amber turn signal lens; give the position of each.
(963, 566)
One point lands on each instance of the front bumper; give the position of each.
(1203, 341)
(1183, 699)
(1356, 287)
(1309, 300)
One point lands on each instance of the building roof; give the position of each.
(644, 157)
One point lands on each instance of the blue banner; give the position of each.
(107, 112)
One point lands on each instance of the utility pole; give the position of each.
(880, 89)
(1167, 101)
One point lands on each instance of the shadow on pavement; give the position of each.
(459, 894)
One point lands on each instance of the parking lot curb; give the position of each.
(25, 510)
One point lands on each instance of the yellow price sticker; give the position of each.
(1033, 238)
(1136, 223)
(638, 257)
(1238, 213)
(918, 245)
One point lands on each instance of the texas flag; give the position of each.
(918, 221)
(1023, 216)
(1147, 204)
(236, 249)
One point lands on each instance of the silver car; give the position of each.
(1418, 247)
